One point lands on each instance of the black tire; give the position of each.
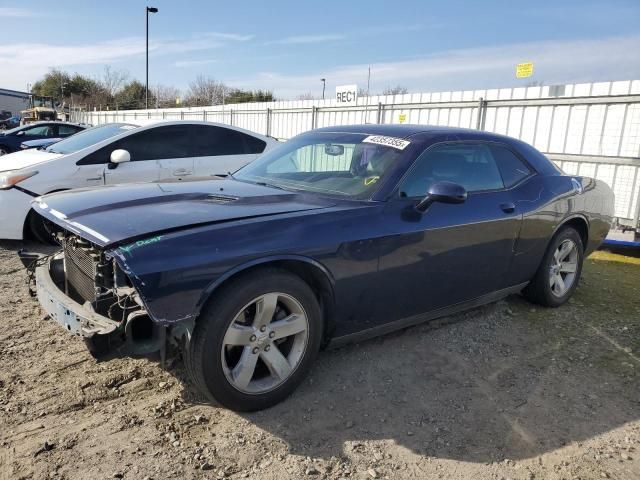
(539, 289)
(38, 230)
(4, 150)
(203, 354)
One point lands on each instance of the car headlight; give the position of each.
(12, 177)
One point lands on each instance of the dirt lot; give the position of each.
(507, 391)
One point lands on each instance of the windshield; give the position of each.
(14, 130)
(342, 164)
(89, 137)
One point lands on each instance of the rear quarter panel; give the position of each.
(549, 202)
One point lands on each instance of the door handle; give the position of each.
(182, 171)
(508, 207)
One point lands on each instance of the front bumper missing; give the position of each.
(78, 319)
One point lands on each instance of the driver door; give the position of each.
(451, 253)
(160, 153)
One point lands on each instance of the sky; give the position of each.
(287, 46)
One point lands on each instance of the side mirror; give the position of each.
(20, 133)
(443, 192)
(117, 157)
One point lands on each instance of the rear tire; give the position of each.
(559, 273)
(255, 342)
(4, 151)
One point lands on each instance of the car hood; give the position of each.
(109, 216)
(25, 159)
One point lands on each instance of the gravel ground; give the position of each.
(507, 391)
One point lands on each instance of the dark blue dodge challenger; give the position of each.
(339, 234)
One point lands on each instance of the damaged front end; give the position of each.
(83, 289)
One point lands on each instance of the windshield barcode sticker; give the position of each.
(393, 142)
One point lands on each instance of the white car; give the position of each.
(119, 153)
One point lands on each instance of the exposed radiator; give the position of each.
(81, 268)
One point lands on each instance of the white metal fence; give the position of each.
(590, 129)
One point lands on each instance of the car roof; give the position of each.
(149, 123)
(54, 122)
(409, 130)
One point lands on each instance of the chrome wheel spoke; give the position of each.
(288, 326)
(564, 251)
(277, 364)
(560, 284)
(279, 344)
(238, 335)
(567, 267)
(243, 372)
(265, 308)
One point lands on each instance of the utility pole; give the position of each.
(146, 89)
(324, 83)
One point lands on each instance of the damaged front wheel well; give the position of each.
(311, 274)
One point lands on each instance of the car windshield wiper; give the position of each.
(265, 184)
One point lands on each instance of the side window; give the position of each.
(157, 143)
(66, 130)
(210, 141)
(39, 131)
(511, 167)
(470, 165)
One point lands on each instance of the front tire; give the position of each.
(559, 273)
(38, 230)
(4, 151)
(256, 340)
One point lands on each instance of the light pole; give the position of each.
(146, 89)
(324, 83)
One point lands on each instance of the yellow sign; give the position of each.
(524, 70)
(402, 117)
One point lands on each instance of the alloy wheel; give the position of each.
(564, 264)
(265, 343)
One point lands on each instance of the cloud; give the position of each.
(9, 12)
(356, 33)
(193, 63)
(230, 36)
(474, 68)
(307, 39)
(25, 62)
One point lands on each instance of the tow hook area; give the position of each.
(142, 335)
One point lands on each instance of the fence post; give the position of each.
(482, 113)
(204, 115)
(268, 122)
(231, 116)
(164, 114)
(379, 115)
(181, 114)
(314, 115)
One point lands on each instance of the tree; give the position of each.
(53, 84)
(397, 90)
(245, 96)
(306, 96)
(165, 96)
(205, 91)
(113, 80)
(132, 96)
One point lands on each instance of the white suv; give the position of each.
(119, 153)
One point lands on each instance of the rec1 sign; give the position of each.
(347, 94)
